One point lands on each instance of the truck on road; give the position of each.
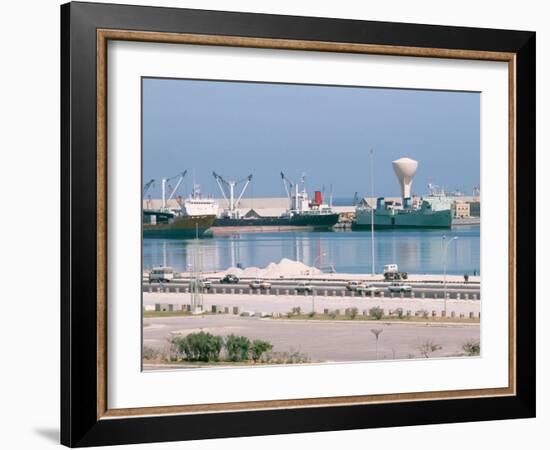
(391, 273)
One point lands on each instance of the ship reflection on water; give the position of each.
(347, 252)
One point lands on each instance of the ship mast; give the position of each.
(303, 195)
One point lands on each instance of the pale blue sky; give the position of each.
(238, 128)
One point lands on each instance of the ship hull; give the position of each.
(411, 220)
(186, 227)
(296, 222)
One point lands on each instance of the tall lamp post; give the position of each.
(445, 271)
(312, 290)
(372, 209)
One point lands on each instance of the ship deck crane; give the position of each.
(297, 199)
(227, 189)
(166, 183)
(288, 185)
(146, 188)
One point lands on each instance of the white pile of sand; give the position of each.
(284, 269)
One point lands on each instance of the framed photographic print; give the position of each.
(276, 224)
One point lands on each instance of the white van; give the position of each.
(391, 268)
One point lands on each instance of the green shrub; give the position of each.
(427, 347)
(332, 315)
(296, 357)
(150, 353)
(297, 310)
(258, 348)
(200, 346)
(292, 357)
(311, 314)
(399, 312)
(353, 313)
(472, 348)
(237, 347)
(376, 312)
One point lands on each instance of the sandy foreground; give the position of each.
(322, 340)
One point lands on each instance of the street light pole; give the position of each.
(377, 332)
(372, 209)
(312, 290)
(445, 271)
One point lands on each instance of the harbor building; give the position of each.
(461, 209)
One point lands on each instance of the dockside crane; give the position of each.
(227, 189)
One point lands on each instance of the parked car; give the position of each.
(399, 287)
(161, 275)
(230, 279)
(259, 284)
(352, 285)
(369, 288)
(202, 284)
(304, 286)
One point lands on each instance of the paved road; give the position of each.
(320, 340)
(244, 282)
(339, 289)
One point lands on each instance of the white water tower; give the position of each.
(405, 168)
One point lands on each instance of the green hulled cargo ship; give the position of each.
(309, 220)
(303, 213)
(167, 225)
(194, 217)
(429, 212)
(432, 211)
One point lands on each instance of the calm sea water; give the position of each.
(414, 251)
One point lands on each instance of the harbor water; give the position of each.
(415, 251)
